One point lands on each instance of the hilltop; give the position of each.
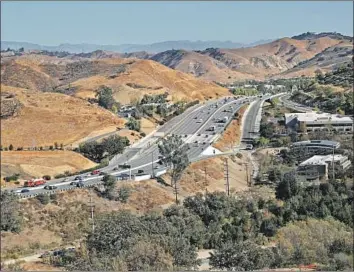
(303, 53)
(129, 78)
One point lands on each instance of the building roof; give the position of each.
(318, 142)
(317, 117)
(322, 160)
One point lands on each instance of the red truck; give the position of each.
(34, 182)
(95, 172)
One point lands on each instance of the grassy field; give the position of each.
(39, 163)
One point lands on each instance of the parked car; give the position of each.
(25, 191)
(80, 184)
(78, 178)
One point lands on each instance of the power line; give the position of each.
(205, 179)
(226, 176)
(92, 206)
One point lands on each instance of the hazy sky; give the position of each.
(52, 23)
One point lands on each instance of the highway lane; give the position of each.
(143, 161)
(293, 105)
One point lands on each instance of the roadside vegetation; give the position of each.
(108, 147)
(330, 92)
(245, 233)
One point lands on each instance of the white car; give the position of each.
(200, 121)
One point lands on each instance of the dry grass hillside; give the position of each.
(45, 118)
(128, 77)
(325, 61)
(271, 58)
(39, 163)
(149, 77)
(199, 65)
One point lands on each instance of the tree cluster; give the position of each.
(97, 151)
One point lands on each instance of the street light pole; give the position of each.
(152, 164)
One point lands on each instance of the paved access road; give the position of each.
(193, 126)
(253, 116)
(285, 99)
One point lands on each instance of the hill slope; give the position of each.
(325, 61)
(258, 62)
(199, 65)
(128, 77)
(45, 118)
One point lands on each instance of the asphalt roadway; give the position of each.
(193, 126)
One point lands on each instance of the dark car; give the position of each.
(78, 178)
(140, 171)
(115, 168)
(50, 187)
(102, 174)
(123, 176)
(25, 191)
(80, 184)
(73, 183)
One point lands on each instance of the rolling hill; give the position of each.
(45, 118)
(258, 62)
(129, 78)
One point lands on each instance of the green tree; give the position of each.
(105, 97)
(133, 124)
(174, 153)
(245, 256)
(109, 183)
(123, 194)
(10, 215)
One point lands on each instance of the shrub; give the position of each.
(47, 177)
(53, 197)
(11, 147)
(14, 177)
(142, 134)
(123, 194)
(44, 199)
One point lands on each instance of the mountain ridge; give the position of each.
(130, 48)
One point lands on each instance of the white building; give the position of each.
(319, 166)
(313, 121)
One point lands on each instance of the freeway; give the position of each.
(194, 128)
(293, 105)
(252, 118)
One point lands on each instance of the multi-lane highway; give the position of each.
(252, 118)
(194, 126)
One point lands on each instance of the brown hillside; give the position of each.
(45, 118)
(326, 61)
(271, 58)
(129, 78)
(199, 65)
(148, 77)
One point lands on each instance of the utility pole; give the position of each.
(92, 206)
(226, 175)
(333, 176)
(176, 191)
(205, 179)
(152, 164)
(247, 175)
